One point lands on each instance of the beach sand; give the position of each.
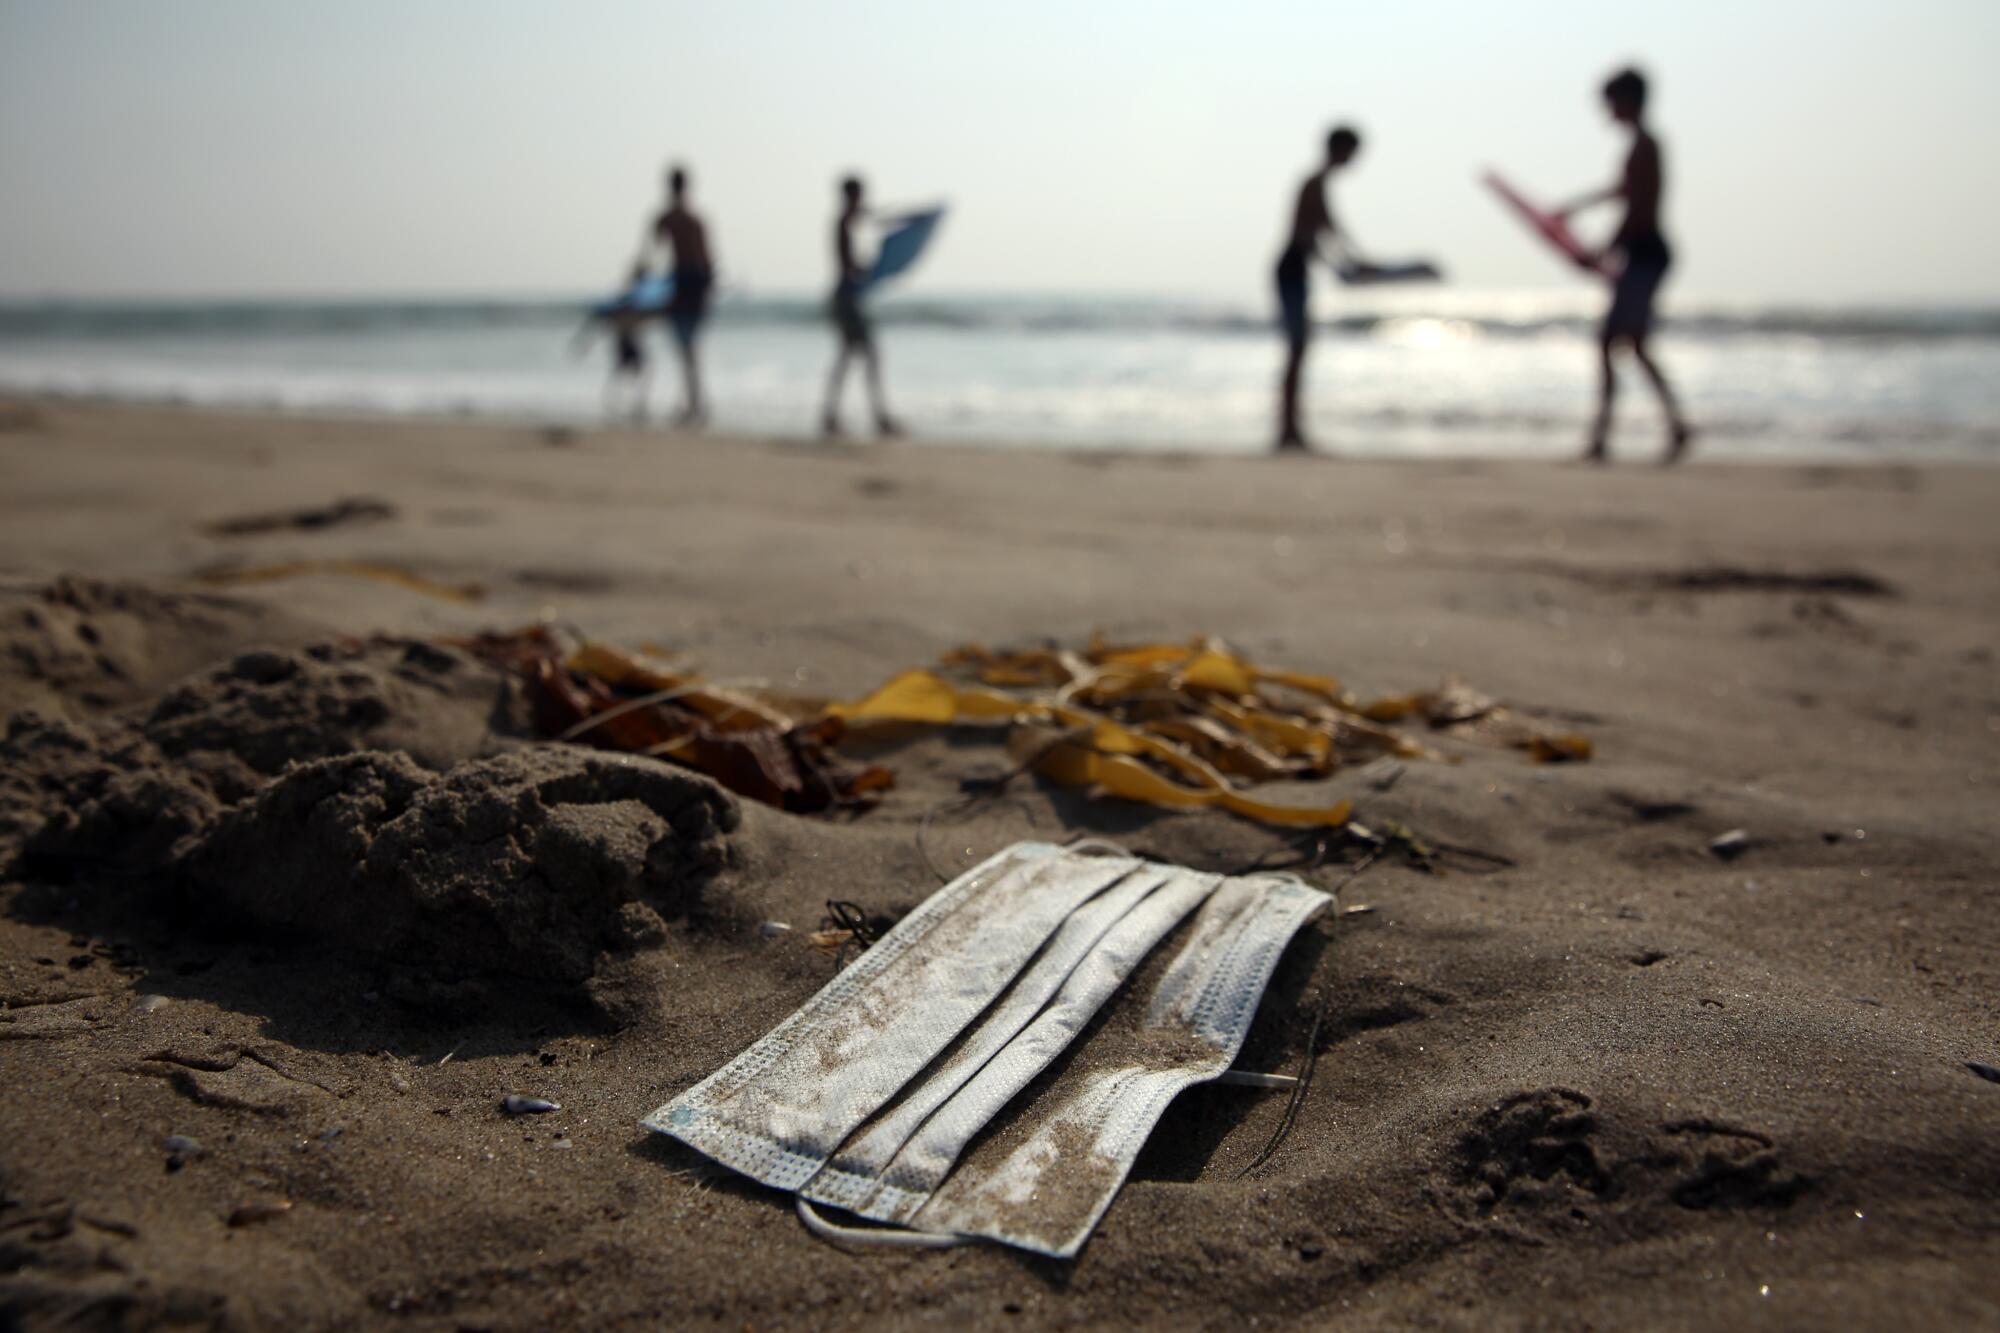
(1620, 1081)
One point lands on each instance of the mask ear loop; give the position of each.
(882, 1237)
(1302, 1084)
(1244, 1078)
(1097, 847)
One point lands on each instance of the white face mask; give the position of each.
(868, 1095)
(778, 1111)
(891, 1166)
(1044, 1178)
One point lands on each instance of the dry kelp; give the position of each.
(1175, 725)
(1459, 710)
(1186, 724)
(595, 694)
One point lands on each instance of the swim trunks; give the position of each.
(1291, 280)
(1647, 259)
(848, 315)
(689, 304)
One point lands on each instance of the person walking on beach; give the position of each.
(850, 320)
(683, 240)
(1311, 220)
(1645, 259)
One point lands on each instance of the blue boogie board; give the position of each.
(648, 296)
(902, 246)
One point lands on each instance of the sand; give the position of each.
(291, 902)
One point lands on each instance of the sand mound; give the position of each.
(530, 863)
(130, 792)
(347, 794)
(249, 719)
(79, 799)
(79, 646)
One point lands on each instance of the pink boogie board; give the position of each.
(1547, 225)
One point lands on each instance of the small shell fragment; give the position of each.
(770, 930)
(1731, 845)
(830, 942)
(148, 1004)
(262, 1210)
(515, 1104)
(180, 1145)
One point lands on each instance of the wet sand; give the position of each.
(1622, 1080)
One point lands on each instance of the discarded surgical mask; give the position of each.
(1044, 1182)
(868, 1097)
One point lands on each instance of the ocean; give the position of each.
(1421, 371)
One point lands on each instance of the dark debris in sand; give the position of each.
(1548, 1158)
(312, 518)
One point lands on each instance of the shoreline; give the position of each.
(1637, 450)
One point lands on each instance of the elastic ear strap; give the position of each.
(884, 1237)
(1243, 1078)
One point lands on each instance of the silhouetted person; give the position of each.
(1645, 257)
(850, 319)
(1311, 221)
(624, 320)
(680, 234)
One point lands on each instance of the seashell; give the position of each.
(515, 1104)
(1731, 844)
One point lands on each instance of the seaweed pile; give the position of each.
(1173, 725)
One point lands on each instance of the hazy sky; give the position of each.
(1836, 149)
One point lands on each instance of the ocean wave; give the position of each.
(141, 321)
(1372, 428)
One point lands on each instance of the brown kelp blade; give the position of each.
(595, 694)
